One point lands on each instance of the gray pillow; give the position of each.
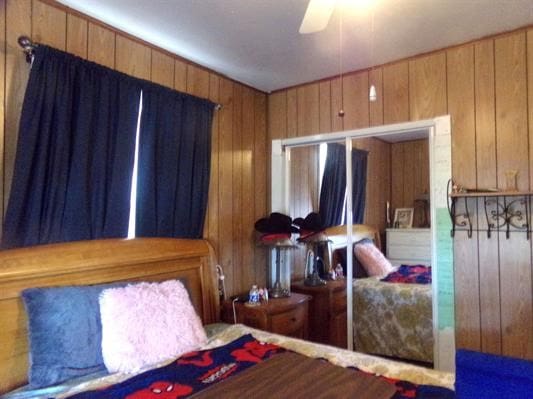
(65, 332)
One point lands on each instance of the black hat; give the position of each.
(276, 230)
(276, 223)
(310, 227)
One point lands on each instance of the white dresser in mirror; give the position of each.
(409, 246)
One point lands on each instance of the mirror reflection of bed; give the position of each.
(391, 319)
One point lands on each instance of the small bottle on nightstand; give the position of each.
(253, 297)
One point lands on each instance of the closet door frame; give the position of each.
(438, 131)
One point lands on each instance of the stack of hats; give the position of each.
(311, 228)
(276, 230)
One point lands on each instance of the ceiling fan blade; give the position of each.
(317, 15)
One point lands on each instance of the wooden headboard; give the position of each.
(337, 235)
(95, 262)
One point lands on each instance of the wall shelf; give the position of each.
(507, 211)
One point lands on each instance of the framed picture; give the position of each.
(403, 218)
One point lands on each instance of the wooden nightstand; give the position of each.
(286, 316)
(327, 312)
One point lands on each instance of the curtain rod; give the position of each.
(28, 46)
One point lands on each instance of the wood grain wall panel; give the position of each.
(162, 69)
(511, 108)
(308, 109)
(77, 31)
(180, 76)
(337, 122)
(512, 153)
(467, 311)
(396, 92)
(489, 272)
(101, 45)
(375, 77)
(198, 81)
(489, 286)
(355, 99)
(2, 105)
(516, 296)
(530, 101)
(133, 58)
(485, 114)
(237, 187)
(292, 113)
(18, 22)
(277, 115)
(378, 180)
(211, 231)
(427, 86)
(261, 174)
(409, 174)
(248, 188)
(324, 105)
(225, 181)
(309, 123)
(461, 103)
(49, 25)
(396, 176)
(294, 195)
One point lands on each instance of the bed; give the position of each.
(191, 261)
(390, 319)
(393, 319)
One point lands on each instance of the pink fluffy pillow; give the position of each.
(146, 323)
(372, 260)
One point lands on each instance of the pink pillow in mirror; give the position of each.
(372, 259)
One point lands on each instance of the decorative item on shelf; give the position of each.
(403, 218)
(275, 232)
(421, 209)
(312, 235)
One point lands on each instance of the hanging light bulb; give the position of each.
(372, 95)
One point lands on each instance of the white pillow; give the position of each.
(146, 323)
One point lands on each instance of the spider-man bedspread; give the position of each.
(192, 373)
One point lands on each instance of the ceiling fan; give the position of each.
(317, 15)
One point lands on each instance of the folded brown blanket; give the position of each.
(290, 375)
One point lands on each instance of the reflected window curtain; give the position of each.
(75, 153)
(333, 190)
(359, 167)
(174, 164)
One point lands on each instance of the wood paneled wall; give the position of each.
(237, 195)
(409, 176)
(312, 109)
(487, 88)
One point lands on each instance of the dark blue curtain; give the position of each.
(359, 166)
(75, 153)
(174, 164)
(333, 190)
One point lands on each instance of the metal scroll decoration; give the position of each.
(504, 211)
(458, 219)
(506, 214)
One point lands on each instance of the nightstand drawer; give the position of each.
(289, 322)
